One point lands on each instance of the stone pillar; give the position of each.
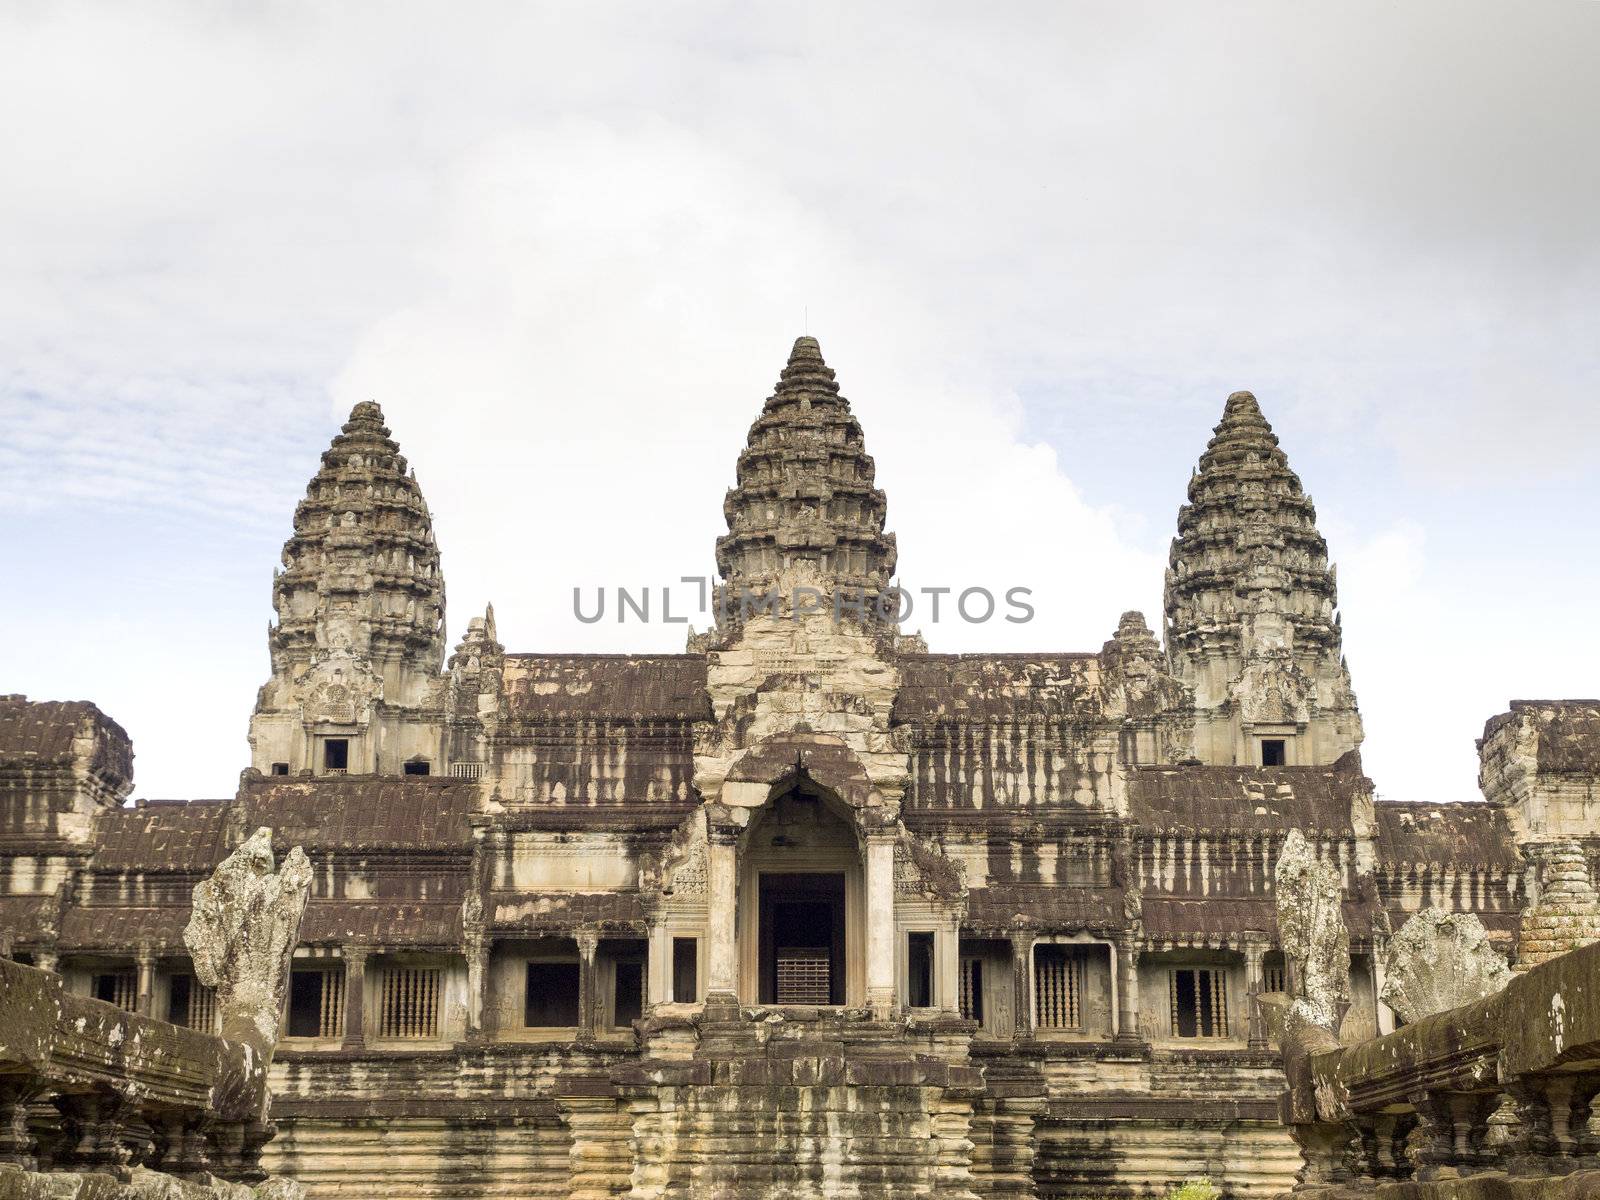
(93, 1122)
(17, 1146)
(880, 924)
(588, 991)
(1022, 982)
(477, 972)
(1254, 952)
(658, 965)
(355, 997)
(46, 960)
(947, 967)
(722, 973)
(1128, 990)
(147, 981)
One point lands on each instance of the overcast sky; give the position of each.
(567, 247)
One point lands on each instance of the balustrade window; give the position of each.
(1057, 987)
(1199, 1000)
(408, 1002)
(192, 1004)
(117, 987)
(1274, 977)
(804, 975)
(316, 1003)
(972, 989)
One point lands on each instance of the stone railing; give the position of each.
(86, 1087)
(1502, 1087)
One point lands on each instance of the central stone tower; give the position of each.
(804, 496)
(358, 647)
(1250, 607)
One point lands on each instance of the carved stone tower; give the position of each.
(358, 647)
(805, 491)
(1250, 607)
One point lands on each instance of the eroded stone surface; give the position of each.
(241, 933)
(1567, 912)
(141, 1184)
(1312, 929)
(1439, 961)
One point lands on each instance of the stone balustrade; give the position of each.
(1501, 1088)
(87, 1087)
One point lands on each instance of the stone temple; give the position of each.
(807, 910)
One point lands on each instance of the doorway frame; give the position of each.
(843, 857)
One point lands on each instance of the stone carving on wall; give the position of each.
(339, 689)
(241, 933)
(1439, 961)
(688, 877)
(1312, 931)
(1270, 691)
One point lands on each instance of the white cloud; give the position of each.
(567, 247)
(612, 307)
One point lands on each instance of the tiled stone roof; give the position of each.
(123, 930)
(1460, 835)
(1033, 906)
(38, 732)
(568, 910)
(28, 917)
(631, 687)
(381, 923)
(995, 687)
(360, 812)
(161, 837)
(1245, 799)
(1569, 733)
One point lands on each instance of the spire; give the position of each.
(361, 570)
(1247, 540)
(805, 489)
(1250, 596)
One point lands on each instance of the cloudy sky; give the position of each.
(567, 248)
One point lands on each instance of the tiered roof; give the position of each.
(805, 489)
(1247, 541)
(362, 565)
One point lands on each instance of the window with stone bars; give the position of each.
(408, 1002)
(192, 1004)
(1057, 987)
(972, 989)
(1274, 976)
(804, 975)
(117, 987)
(316, 1002)
(1199, 1002)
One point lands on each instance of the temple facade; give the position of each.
(806, 910)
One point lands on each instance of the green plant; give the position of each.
(1194, 1189)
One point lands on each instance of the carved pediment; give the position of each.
(1271, 691)
(339, 689)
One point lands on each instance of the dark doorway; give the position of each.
(802, 939)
